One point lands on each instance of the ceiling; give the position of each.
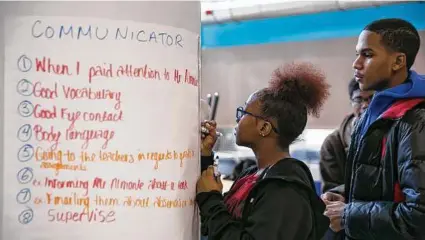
(218, 11)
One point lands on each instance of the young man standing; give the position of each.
(385, 182)
(333, 153)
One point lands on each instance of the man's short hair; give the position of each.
(398, 35)
(352, 87)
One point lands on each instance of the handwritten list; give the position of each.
(101, 129)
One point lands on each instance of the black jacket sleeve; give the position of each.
(282, 213)
(390, 220)
(332, 155)
(206, 162)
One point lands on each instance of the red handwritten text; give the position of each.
(47, 65)
(88, 135)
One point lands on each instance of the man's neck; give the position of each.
(399, 78)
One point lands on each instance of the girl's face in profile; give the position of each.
(248, 118)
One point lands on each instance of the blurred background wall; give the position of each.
(240, 52)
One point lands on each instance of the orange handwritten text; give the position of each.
(59, 166)
(137, 202)
(115, 157)
(162, 202)
(72, 200)
(158, 156)
(57, 158)
(54, 155)
(105, 201)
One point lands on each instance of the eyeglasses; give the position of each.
(359, 100)
(240, 112)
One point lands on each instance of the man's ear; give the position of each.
(400, 61)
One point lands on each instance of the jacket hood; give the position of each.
(296, 172)
(413, 87)
(399, 108)
(292, 170)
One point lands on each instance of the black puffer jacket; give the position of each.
(386, 190)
